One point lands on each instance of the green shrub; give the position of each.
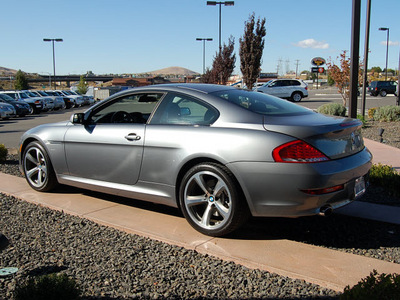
(53, 286)
(333, 109)
(3, 152)
(371, 112)
(387, 113)
(374, 287)
(362, 119)
(387, 177)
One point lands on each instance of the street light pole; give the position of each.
(204, 51)
(54, 58)
(226, 3)
(387, 48)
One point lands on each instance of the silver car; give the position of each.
(6, 111)
(291, 89)
(218, 153)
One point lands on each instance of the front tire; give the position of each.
(383, 93)
(37, 167)
(211, 201)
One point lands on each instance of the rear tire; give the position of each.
(211, 201)
(296, 97)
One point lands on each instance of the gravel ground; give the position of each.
(391, 135)
(110, 264)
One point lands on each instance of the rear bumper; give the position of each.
(275, 189)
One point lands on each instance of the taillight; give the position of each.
(298, 152)
(328, 190)
(306, 88)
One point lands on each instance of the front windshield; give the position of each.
(23, 95)
(43, 93)
(261, 103)
(30, 94)
(6, 97)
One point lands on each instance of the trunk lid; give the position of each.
(336, 137)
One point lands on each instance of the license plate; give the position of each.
(359, 187)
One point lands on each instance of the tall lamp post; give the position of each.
(387, 48)
(226, 3)
(54, 58)
(204, 51)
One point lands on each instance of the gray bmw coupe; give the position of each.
(218, 153)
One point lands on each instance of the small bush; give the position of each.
(3, 152)
(362, 119)
(333, 109)
(53, 286)
(387, 113)
(387, 177)
(371, 112)
(374, 287)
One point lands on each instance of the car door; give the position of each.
(275, 88)
(108, 147)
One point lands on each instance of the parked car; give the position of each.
(36, 103)
(21, 107)
(218, 153)
(292, 89)
(48, 103)
(6, 111)
(382, 88)
(58, 101)
(77, 99)
(67, 101)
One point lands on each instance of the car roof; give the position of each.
(198, 87)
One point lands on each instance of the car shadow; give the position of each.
(334, 231)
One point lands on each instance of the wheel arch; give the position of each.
(198, 160)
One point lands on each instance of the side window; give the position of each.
(184, 110)
(131, 108)
(294, 82)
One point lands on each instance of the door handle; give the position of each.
(132, 137)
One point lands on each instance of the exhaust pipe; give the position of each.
(325, 211)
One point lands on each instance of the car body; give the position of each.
(68, 102)
(6, 111)
(35, 102)
(382, 88)
(58, 101)
(48, 103)
(291, 89)
(21, 107)
(218, 153)
(77, 99)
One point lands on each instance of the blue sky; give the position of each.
(131, 36)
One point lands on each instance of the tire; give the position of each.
(211, 201)
(296, 97)
(37, 168)
(383, 93)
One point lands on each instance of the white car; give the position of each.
(292, 89)
(78, 100)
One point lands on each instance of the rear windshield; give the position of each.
(261, 103)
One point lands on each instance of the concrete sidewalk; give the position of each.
(384, 154)
(329, 268)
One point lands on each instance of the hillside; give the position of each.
(174, 71)
(7, 72)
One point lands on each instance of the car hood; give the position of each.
(336, 137)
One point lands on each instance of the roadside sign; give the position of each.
(314, 69)
(321, 70)
(318, 61)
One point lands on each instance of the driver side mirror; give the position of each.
(77, 118)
